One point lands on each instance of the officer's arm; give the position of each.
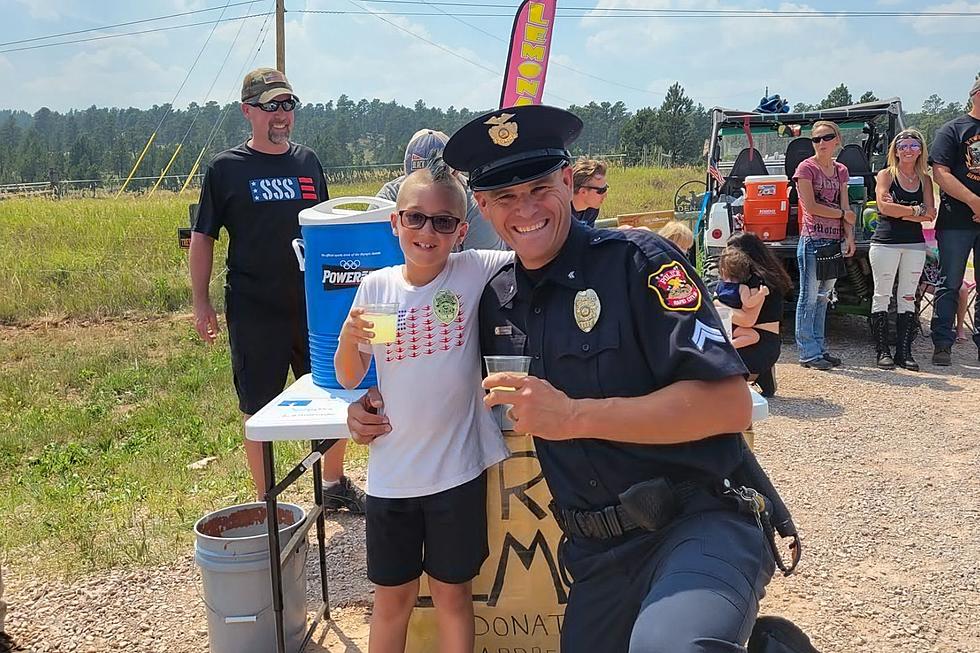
(683, 411)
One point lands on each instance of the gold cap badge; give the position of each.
(502, 132)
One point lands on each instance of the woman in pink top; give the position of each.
(821, 183)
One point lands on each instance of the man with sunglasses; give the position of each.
(635, 399)
(955, 159)
(255, 191)
(589, 190)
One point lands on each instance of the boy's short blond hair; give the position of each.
(678, 233)
(439, 175)
(586, 169)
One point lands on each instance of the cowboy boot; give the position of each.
(879, 332)
(906, 336)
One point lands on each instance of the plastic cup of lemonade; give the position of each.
(385, 320)
(518, 365)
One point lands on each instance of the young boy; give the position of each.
(426, 487)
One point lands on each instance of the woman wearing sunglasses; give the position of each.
(898, 248)
(826, 222)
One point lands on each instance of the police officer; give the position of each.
(635, 398)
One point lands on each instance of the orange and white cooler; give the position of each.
(767, 206)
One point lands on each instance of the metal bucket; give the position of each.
(232, 550)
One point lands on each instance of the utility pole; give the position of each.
(281, 36)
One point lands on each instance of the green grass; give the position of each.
(100, 414)
(97, 258)
(98, 425)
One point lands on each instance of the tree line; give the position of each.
(102, 144)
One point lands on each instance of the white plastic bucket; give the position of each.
(232, 551)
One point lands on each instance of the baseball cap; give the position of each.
(263, 84)
(422, 148)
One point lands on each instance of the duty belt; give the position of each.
(650, 505)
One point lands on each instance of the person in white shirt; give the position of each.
(426, 485)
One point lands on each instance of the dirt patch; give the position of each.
(878, 467)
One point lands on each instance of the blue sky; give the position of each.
(719, 61)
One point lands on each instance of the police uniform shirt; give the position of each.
(257, 198)
(655, 326)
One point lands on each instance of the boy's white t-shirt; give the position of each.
(441, 433)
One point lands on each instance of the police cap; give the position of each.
(513, 145)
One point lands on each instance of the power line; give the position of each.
(715, 12)
(126, 24)
(146, 31)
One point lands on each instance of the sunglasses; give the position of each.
(826, 138)
(913, 146)
(443, 224)
(601, 190)
(273, 105)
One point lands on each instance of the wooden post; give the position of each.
(281, 36)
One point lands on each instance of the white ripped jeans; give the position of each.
(890, 262)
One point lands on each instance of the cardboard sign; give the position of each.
(520, 595)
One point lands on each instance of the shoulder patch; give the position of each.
(674, 288)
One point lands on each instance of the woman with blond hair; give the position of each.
(898, 249)
(678, 233)
(826, 232)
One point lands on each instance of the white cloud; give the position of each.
(41, 10)
(940, 26)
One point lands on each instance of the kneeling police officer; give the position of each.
(635, 397)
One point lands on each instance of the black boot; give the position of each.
(767, 383)
(879, 332)
(906, 336)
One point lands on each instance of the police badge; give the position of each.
(502, 132)
(587, 308)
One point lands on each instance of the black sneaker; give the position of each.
(942, 357)
(833, 360)
(818, 364)
(343, 494)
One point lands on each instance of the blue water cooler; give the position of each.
(339, 248)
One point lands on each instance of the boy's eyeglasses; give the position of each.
(273, 105)
(826, 138)
(911, 146)
(601, 190)
(443, 224)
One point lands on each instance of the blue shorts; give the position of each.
(695, 587)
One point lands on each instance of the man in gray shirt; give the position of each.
(424, 146)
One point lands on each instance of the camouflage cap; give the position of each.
(263, 84)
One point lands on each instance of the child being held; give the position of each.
(740, 287)
(426, 485)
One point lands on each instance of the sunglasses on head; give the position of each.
(443, 224)
(826, 138)
(273, 105)
(601, 190)
(910, 145)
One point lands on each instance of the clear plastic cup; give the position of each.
(385, 320)
(518, 365)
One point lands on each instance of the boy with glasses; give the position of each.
(255, 191)
(590, 188)
(955, 159)
(426, 487)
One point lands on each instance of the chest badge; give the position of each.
(587, 308)
(445, 306)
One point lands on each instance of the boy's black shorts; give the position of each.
(263, 349)
(443, 534)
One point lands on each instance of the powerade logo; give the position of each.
(346, 274)
(282, 189)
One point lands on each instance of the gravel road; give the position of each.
(878, 467)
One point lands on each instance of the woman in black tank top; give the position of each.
(898, 251)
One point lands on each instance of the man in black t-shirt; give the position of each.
(955, 159)
(255, 191)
